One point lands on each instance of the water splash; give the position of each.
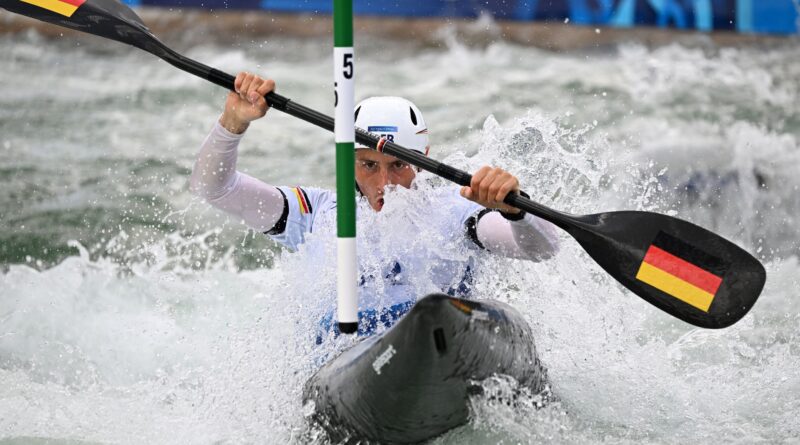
(151, 328)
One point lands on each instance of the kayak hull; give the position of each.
(412, 382)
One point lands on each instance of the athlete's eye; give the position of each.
(399, 165)
(368, 165)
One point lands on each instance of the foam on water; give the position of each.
(131, 313)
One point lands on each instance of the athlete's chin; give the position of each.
(378, 204)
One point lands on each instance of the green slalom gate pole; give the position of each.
(344, 129)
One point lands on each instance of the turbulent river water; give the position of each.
(131, 312)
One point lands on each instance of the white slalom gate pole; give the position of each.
(344, 129)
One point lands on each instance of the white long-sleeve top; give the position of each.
(263, 206)
(391, 271)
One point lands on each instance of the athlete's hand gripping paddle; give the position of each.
(681, 268)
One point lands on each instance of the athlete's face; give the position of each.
(375, 171)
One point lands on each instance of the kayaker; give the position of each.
(477, 219)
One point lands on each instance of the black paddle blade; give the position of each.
(106, 18)
(681, 268)
(113, 20)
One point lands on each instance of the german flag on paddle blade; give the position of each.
(682, 271)
(63, 7)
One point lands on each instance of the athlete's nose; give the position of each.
(384, 180)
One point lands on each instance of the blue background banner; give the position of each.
(750, 16)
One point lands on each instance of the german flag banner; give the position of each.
(682, 271)
(63, 7)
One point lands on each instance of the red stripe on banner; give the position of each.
(683, 269)
(75, 3)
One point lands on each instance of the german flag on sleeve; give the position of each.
(63, 7)
(682, 271)
(302, 200)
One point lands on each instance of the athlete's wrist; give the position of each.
(233, 124)
(518, 215)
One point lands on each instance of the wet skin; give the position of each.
(377, 172)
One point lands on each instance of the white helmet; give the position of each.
(395, 118)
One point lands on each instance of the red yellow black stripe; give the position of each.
(682, 271)
(302, 200)
(63, 7)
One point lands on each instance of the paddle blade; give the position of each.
(105, 18)
(679, 267)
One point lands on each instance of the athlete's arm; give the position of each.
(528, 237)
(214, 176)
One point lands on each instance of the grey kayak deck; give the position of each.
(412, 382)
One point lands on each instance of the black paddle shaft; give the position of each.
(364, 137)
(636, 248)
(326, 122)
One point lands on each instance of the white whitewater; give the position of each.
(132, 313)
